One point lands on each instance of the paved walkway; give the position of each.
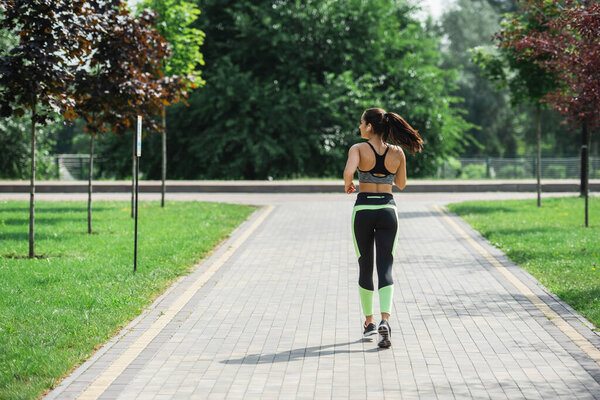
(275, 313)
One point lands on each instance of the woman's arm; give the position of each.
(351, 165)
(400, 179)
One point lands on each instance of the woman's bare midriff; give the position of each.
(374, 187)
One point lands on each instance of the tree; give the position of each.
(125, 78)
(568, 46)
(130, 57)
(92, 89)
(35, 73)
(175, 18)
(504, 127)
(268, 108)
(14, 136)
(504, 6)
(467, 24)
(527, 81)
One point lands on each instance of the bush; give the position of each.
(473, 171)
(15, 142)
(555, 172)
(450, 168)
(511, 171)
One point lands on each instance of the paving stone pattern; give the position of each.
(282, 320)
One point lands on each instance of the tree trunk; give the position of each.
(133, 148)
(539, 154)
(90, 176)
(32, 188)
(164, 156)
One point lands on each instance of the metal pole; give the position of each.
(584, 165)
(164, 158)
(538, 173)
(32, 187)
(137, 184)
(133, 177)
(138, 154)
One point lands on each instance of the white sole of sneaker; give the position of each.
(369, 334)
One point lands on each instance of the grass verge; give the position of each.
(550, 242)
(56, 309)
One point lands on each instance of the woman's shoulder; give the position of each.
(396, 153)
(396, 149)
(355, 150)
(358, 146)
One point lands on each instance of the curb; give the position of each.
(291, 186)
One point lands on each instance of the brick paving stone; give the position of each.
(281, 319)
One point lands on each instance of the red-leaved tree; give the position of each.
(125, 78)
(565, 41)
(35, 75)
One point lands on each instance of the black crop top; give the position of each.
(379, 168)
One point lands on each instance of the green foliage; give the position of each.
(527, 83)
(174, 23)
(288, 81)
(466, 25)
(83, 290)
(15, 160)
(473, 171)
(503, 6)
(452, 164)
(555, 171)
(511, 171)
(505, 126)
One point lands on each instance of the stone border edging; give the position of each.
(441, 186)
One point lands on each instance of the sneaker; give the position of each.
(370, 330)
(385, 333)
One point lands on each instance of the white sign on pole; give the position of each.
(139, 135)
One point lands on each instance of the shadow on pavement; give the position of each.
(298, 354)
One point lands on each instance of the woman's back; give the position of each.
(391, 158)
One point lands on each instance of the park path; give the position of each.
(275, 313)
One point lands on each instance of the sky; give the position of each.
(435, 7)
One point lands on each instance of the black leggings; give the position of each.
(375, 221)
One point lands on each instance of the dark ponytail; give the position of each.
(394, 129)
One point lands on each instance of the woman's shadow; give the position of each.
(296, 354)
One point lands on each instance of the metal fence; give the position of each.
(515, 168)
(76, 167)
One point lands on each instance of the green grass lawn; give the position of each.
(55, 310)
(551, 243)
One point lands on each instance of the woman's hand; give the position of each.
(350, 188)
(350, 170)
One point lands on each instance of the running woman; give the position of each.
(381, 163)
